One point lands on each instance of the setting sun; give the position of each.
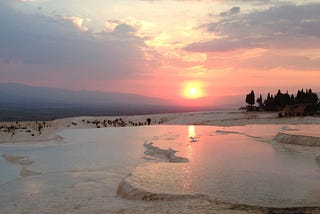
(193, 90)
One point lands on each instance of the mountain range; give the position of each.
(16, 93)
(24, 102)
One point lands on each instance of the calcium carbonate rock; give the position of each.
(26, 172)
(165, 154)
(304, 140)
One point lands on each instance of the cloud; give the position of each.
(232, 11)
(269, 60)
(124, 30)
(62, 47)
(78, 22)
(288, 26)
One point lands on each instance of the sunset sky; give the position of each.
(175, 49)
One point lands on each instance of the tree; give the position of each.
(311, 98)
(250, 98)
(149, 121)
(281, 100)
(269, 103)
(259, 101)
(278, 101)
(292, 99)
(300, 96)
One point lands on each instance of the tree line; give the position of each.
(279, 100)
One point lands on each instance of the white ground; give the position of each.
(215, 118)
(94, 191)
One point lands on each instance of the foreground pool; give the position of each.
(232, 164)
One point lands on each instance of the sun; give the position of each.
(193, 90)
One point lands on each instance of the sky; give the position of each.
(186, 51)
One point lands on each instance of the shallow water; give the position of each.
(233, 164)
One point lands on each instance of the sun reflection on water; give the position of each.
(191, 131)
(187, 178)
(191, 136)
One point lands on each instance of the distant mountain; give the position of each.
(24, 102)
(15, 93)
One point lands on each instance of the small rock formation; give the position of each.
(168, 154)
(58, 139)
(22, 160)
(303, 140)
(26, 172)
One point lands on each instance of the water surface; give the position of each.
(233, 164)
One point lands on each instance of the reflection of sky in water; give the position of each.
(229, 166)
